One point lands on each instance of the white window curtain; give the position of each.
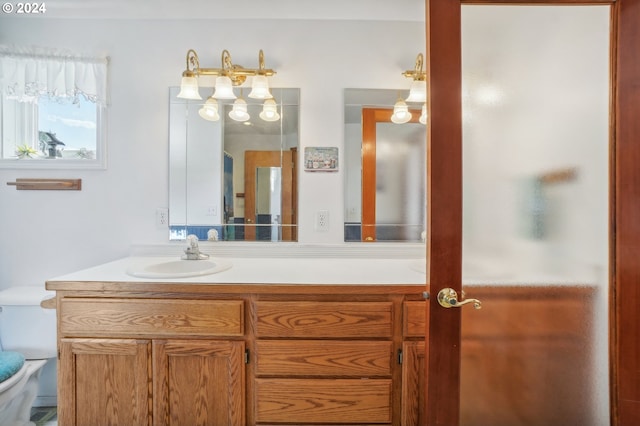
(27, 73)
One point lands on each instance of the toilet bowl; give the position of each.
(26, 328)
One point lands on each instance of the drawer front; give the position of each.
(325, 401)
(323, 358)
(414, 319)
(152, 317)
(324, 319)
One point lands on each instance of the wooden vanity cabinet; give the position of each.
(130, 361)
(324, 362)
(197, 354)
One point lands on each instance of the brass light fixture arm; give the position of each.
(236, 73)
(193, 64)
(417, 73)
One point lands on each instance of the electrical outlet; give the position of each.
(322, 220)
(162, 217)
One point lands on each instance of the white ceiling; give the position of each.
(384, 10)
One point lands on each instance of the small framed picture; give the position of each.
(321, 159)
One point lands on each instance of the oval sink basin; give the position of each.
(179, 268)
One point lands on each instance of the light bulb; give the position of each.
(224, 88)
(189, 88)
(260, 88)
(418, 91)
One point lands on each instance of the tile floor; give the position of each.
(44, 416)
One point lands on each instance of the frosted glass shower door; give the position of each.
(535, 93)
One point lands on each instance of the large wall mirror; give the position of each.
(385, 193)
(233, 180)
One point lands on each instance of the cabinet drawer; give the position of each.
(325, 401)
(324, 319)
(323, 358)
(139, 317)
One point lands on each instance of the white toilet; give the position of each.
(29, 329)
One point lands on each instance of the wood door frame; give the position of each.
(253, 160)
(444, 183)
(370, 119)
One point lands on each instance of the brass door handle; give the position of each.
(448, 298)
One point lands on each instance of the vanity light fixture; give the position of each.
(227, 76)
(418, 90)
(270, 111)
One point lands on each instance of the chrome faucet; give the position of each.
(192, 252)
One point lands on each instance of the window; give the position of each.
(52, 110)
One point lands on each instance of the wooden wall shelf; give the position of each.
(47, 184)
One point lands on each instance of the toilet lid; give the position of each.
(10, 364)
(24, 296)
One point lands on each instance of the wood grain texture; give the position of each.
(323, 358)
(346, 337)
(29, 184)
(104, 382)
(342, 401)
(413, 384)
(128, 317)
(330, 319)
(198, 382)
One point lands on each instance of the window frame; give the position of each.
(99, 162)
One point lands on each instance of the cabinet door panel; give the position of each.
(104, 382)
(413, 378)
(341, 401)
(198, 383)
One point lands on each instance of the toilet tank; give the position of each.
(25, 326)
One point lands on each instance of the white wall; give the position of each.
(44, 234)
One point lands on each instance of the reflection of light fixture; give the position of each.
(209, 110)
(423, 116)
(401, 112)
(270, 111)
(228, 76)
(239, 110)
(418, 90)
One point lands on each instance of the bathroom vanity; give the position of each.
(205, 351)
(219, 354)
(233, 349)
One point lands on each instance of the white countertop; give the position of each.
(267, 271)
(293, 263)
